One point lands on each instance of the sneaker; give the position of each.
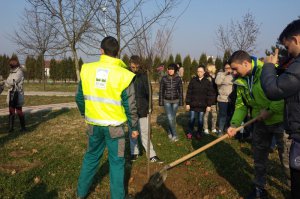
(258, 193)
(189, 136)
(215, 131)
(134, 157)
(156, 159)
(170, 136)
(206, 132)
(175, 139)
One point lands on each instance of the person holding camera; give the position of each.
(15, 94)
(225, 85)
(287, 86)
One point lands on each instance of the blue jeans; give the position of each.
(192, 121)
(171, 109)
(223, 106)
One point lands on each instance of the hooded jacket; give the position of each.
(256, 99)
(200, 94)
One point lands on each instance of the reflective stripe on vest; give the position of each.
(103, 100)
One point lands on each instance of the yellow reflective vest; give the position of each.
(102, 84)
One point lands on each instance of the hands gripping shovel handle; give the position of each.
(158, 178)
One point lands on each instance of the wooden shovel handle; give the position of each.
(192, 154)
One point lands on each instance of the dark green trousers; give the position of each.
(99, 138)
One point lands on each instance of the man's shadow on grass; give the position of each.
(275, 170)
(40, 191)
(32, 121)
(228, 164)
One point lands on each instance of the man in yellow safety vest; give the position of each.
(105, 97)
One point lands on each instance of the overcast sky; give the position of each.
(195, 31)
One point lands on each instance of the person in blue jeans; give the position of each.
(171, 96)
(225, 87)
(199, 98)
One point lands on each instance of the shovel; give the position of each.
(158, 178)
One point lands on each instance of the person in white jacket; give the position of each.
(225, 85)
(15, 94)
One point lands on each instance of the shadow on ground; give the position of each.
(228, 164)
(40, 191)
(32, 122)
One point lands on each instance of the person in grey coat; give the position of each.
(225, 86)
(15, 94)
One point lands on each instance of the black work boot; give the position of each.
(11, 119)
(22, 123)
(258, 193)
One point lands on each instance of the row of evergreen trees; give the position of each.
(60, 70)
(64, 70)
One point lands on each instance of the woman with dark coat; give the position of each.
(198, 100)
(171, 96)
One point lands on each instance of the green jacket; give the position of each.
(257, 100)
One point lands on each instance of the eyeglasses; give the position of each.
(227, 68)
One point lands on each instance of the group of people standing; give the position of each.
(207, 96)
(107, 97)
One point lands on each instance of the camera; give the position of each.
(284, 62)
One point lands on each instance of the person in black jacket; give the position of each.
(141, 88)
(171, 96)
(198, 100)
(287, 86)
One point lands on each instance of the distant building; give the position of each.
(47, 68)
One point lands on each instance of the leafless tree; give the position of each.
(128, 21)
(148, 47)
(239, 35)
(36, 35)
(74, 22)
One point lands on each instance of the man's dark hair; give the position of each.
(172, 66)
(239, 56)
(110, 46)
(201, 66)
(135, 59)
(292, 29)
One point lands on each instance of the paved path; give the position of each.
(44, 93)
(48, 107)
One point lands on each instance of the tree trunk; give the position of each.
(118, 25)
(76, 60)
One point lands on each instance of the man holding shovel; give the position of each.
(269, 114)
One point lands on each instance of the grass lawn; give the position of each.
(45, 162)
(62, 87)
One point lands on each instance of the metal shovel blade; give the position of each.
(158, 178)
